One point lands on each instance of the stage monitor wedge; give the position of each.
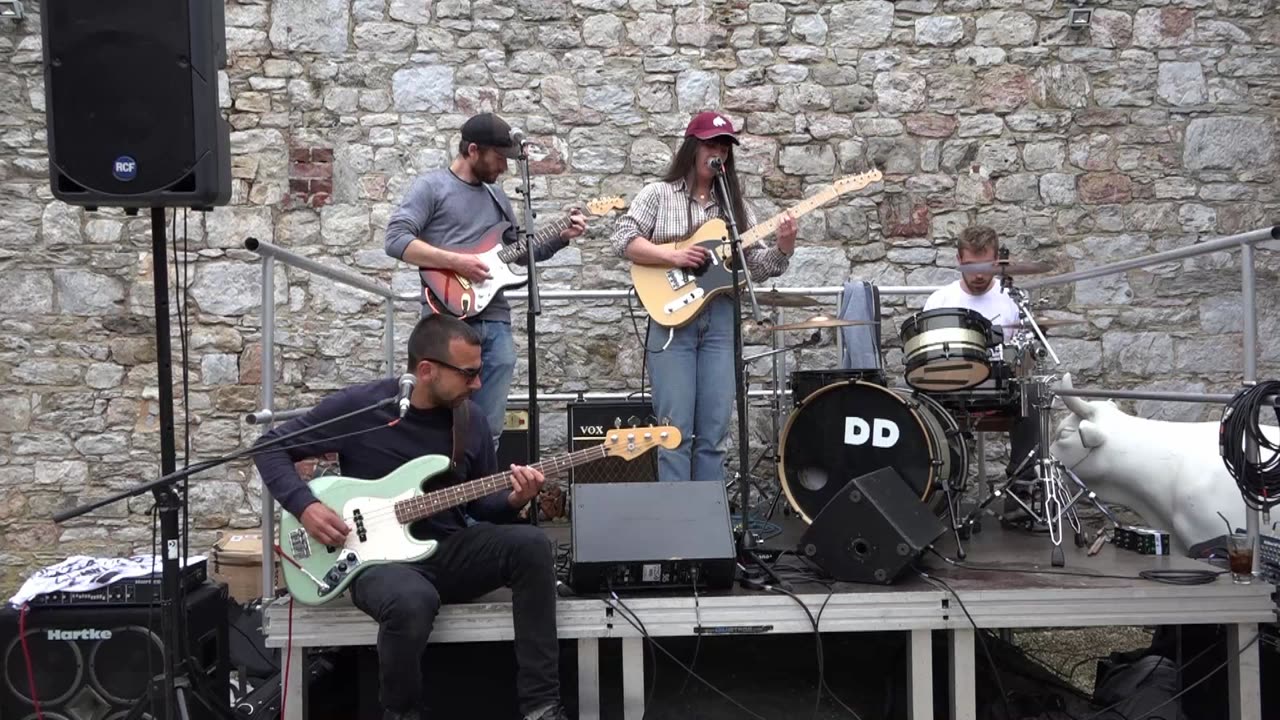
(132, 103)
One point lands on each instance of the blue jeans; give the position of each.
(498, 365)
(693, 389)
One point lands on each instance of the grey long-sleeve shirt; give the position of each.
(442, 210)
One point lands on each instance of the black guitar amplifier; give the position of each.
(513, 447)
(588, 423)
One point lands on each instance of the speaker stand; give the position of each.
(169, 691)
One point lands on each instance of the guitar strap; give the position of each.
(502, 211)
(461, 423)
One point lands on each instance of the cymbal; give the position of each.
(1046, 323)
(777, 299)
(1006, 267)
(821, 321)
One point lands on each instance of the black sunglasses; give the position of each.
(468, 373)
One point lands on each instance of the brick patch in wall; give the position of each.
(310, 176)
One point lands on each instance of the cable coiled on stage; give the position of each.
(1259, 482)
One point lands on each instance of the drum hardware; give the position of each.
(1060, 489)
(1026, 349)
(822, 321)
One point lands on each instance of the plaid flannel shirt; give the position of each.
(661, 212)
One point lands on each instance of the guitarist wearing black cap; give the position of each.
(435, 228)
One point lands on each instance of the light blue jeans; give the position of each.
(693, 389)
(498, 365)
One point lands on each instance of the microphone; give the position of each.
(716, 164)
(407, 383)
(517, 137)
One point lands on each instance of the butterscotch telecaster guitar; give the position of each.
(674, 296)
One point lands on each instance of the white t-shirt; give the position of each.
(995, 304)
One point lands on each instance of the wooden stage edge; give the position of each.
(1103, 590)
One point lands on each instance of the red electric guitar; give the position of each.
(448, 292)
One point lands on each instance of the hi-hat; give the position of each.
(777, 299)
(1006, 267)
(821, 321)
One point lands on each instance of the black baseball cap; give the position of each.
(489, 130)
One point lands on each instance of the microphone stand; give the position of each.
(534, 309)
(752, 566)
(177, 676)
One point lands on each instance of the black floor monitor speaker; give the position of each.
(132, 103)
(588, 423)
(871, 530)
(90, 662)
(651, 535)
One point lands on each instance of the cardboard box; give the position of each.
(236, 560)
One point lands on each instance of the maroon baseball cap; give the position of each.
(708, 124)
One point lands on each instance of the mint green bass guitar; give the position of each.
(379, 512)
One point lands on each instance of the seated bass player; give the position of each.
(472, 558)
(692, 366)
(448, 208)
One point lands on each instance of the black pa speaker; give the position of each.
(588, 424)
(132, 103)
(90, 662)
(651, 535)
(871, 530)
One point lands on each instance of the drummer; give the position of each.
(977, 291)
(983, 293)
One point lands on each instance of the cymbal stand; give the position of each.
(1062, 488)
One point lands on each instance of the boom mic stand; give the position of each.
(177, 677)
(746, 543)
(174, 679)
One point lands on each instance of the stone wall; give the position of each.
(1151, 129)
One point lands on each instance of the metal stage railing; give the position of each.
(271, 253)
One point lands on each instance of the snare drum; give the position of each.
(947, 349)
(849, 429)
(805, 382)
(990, 406)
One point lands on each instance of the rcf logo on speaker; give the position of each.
(125, 168)
(84, 634)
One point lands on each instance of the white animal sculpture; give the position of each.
(1170, 473)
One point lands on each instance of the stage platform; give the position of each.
(1008, 583)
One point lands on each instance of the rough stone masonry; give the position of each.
(1152, 128)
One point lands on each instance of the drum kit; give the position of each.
(962, 375)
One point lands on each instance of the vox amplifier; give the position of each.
(588, 423)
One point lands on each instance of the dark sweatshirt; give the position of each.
(376, 453)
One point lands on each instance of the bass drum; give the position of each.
(848, 429)
(805, 382)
